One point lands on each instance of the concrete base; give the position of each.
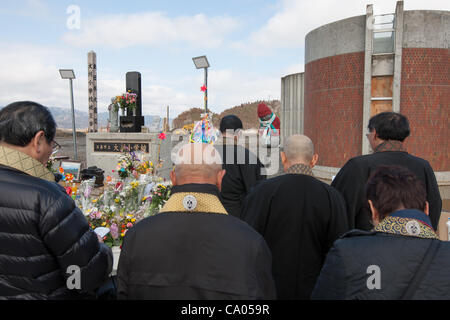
(103, 149)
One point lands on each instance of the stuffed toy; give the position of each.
(269, 125)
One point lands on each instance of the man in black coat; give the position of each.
(402, 258)
(299, 216)
(193, 249)
(48, 250)
(387, 131)
(243, 169)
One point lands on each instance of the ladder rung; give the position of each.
(380, 98)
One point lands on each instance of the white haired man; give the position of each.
(193, 249)
(299, 216)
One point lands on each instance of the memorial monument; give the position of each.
(103, 149)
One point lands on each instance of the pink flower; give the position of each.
(129, 225)
(162, 136)
(114, 231)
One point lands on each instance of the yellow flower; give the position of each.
(94, 200)
(116, 200)
(133, 220)
(104, 224)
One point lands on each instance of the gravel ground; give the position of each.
(66, 141)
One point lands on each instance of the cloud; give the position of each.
(152, 29)
(30, 72)
(295, 68)
(288, 27)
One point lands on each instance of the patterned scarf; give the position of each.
(194, 198)
(390, 145)
(300, 168)
(411, 223)
(24, 163)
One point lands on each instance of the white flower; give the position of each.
(88, 212)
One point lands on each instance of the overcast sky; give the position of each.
(250, 45)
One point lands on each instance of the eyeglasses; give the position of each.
(56, 147)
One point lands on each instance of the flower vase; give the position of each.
(116, 255)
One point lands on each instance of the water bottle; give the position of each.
(448, 229)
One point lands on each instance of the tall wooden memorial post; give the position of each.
(92, 91)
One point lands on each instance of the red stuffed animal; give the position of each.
(269, 124)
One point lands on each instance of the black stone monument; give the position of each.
(133, 122)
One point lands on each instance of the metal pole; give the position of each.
(73, 123)
(206, 91)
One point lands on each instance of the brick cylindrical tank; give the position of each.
(425, 85)
(334, 80)
(336, 110)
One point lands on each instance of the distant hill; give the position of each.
(63, 118)
(247, 112)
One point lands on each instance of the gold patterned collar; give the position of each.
(24, 163)
(300, 168)
(194, 198)
(406, 227)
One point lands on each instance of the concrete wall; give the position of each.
(108, 160)
(426, 29)
(292, 99)
(343, 36)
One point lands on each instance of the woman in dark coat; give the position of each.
(401, 258)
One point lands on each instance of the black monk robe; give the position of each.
(243, 172)
(194, 250)
(299, 217)
(352, 178)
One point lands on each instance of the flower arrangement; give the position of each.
(161, 194)
(131, 164)
(135, 193)
(122, 205)
(125, 101)
(50, 163)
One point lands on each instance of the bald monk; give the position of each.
(193, 249)
(299, 216)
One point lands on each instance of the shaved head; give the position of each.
(299, 148)
(197, 163)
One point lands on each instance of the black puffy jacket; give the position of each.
(349, 268)
(42, 233)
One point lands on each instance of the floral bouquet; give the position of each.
(124, 203)
(160, 194)
(132, 164)
(126, 101)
